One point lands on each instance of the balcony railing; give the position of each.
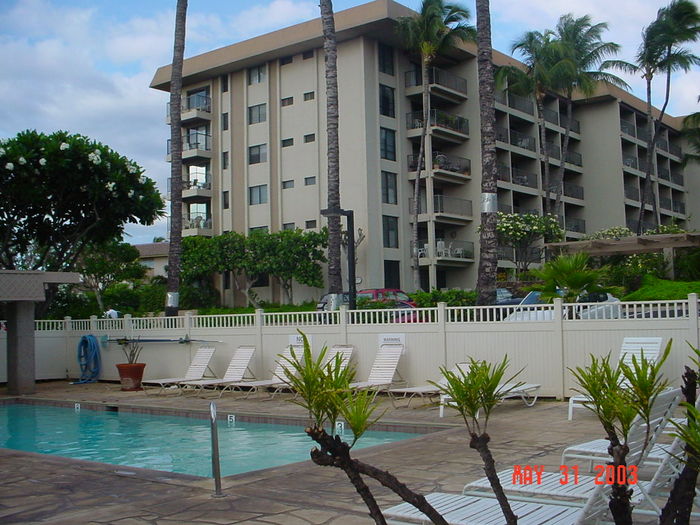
(573, 224)
(521, 140)
(523, 178)
(438, 76)
(442, 161)
(196, 220)
(627, 128)
(662, 144)
(195, 140)
(630, 162)
(502, 134)
(507, 253)
(195, 101)
(665, 203)
(505, 208)
(521, 103)
(677, 178)
(575, 124)
(503, 172)
(447, 205)
(573, 190)
(191, 185)
(642, 134)
(444, 248)
(553, 150)
(632, 192)
(501, 97)
(574, 157)
(526, 211)
(440, 119)
(663, 173)
(551, 116)
(675, 150)
(679, 207)
(646, 226)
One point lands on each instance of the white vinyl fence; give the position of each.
(543, 340)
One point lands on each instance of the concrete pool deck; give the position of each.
(38, 488)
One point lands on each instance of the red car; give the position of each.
(385, 294)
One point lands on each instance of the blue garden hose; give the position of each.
(88, 359)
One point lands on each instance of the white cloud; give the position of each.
(260, 19)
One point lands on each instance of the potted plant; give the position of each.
(131, 372)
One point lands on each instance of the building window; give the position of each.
(263, 280)
(224, 200)
(390, 229)
(227, 280)
(257, 154)
(386, 101)
(287, 101)
(309, 181)
(309, 95)
(287, 142)
(254, 229)
(199, 175)
(386, 59)
(389, 192)
(224, 83)
(257, 113)
(287, 184)
(392, 276)
(288, 226)
(224, 121)
(256, 74)
(387, 143)
(257, 194)
(307, 54)
(286, 60)
(310, 224)
(311, 137)
(224, 160)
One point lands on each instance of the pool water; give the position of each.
(169, 443)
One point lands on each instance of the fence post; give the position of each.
(128, 326)
(558, 319)
(93, 323)
(188, 325)
(343, 313)
(442, 328)
(259, 322)
(694, 319)
(67, 333)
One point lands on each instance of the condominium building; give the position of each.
(253, 119)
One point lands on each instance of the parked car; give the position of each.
(324, 302)
(505, 297)
(385, 294)
(609, 310)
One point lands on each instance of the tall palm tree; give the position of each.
(661, 52)
(437, 27)
(488, 241)
(175, 248)
(544, 70)
(330, 49)
(580, 42)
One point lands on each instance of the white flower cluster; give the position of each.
(95, 158)
(42, 162)
(9, 166)
(64, 146)
(22, 161)
(2, 151)
(110, 186)
(132, 168)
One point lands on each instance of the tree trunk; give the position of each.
(564, 153)
(421, 162)
(330, 49)
(649, 159)
(543, 151)
(680, 503)
(175, 247)
(481, 444)
(488, 241)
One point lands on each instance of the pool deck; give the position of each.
(47, 489)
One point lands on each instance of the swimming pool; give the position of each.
(169, 443)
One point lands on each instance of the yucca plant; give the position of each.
(569, 276)
(477, 389)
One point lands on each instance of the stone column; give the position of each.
(21, 368)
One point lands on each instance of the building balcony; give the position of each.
(192, 190)
(520, 103)
(445, 252)
(663, 173)
(572, 224)
(442, 125)
(665, 203)
(575, 124)
(573, 190)
(447, 168)
(516, 138)
(551, 116)
(553, 150)
(517, 176)
(448, 210)
(196, 107)
(677, 178)
(628, 128)
(442, 84)
(574, 157)
(675, 150)
(632, 193)
(679, 207)
(507, 253)
(195, 224)
(195, 145)
(646, 226)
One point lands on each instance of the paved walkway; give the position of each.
(47, 489)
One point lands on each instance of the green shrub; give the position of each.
(151, 297)
(369, 304)
(687, 264)
(308, 306)
(451, 297)
(73, 304)
(122, 297)
(654, 289)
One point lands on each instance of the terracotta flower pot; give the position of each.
(130, 375)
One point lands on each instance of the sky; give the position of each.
(85, 65)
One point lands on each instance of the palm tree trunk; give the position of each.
(330, 49)
(564, 153)
(488, 242)
(543, 152)
(481, 444)
(421, 162)
(646, 190)
(175, 247)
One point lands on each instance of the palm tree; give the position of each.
(436, 28)
(661, 52)
(691, 132)
(544, 70)
(580, 42)
(330, 49)
(488, 242)
(175, 248)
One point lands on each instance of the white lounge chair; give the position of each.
(236, 371)
(422, 390)
(196, 370)
(597, 449)
(632, 347)
(549, 484)
(278, 382)
(381, 376)
(345, 351)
